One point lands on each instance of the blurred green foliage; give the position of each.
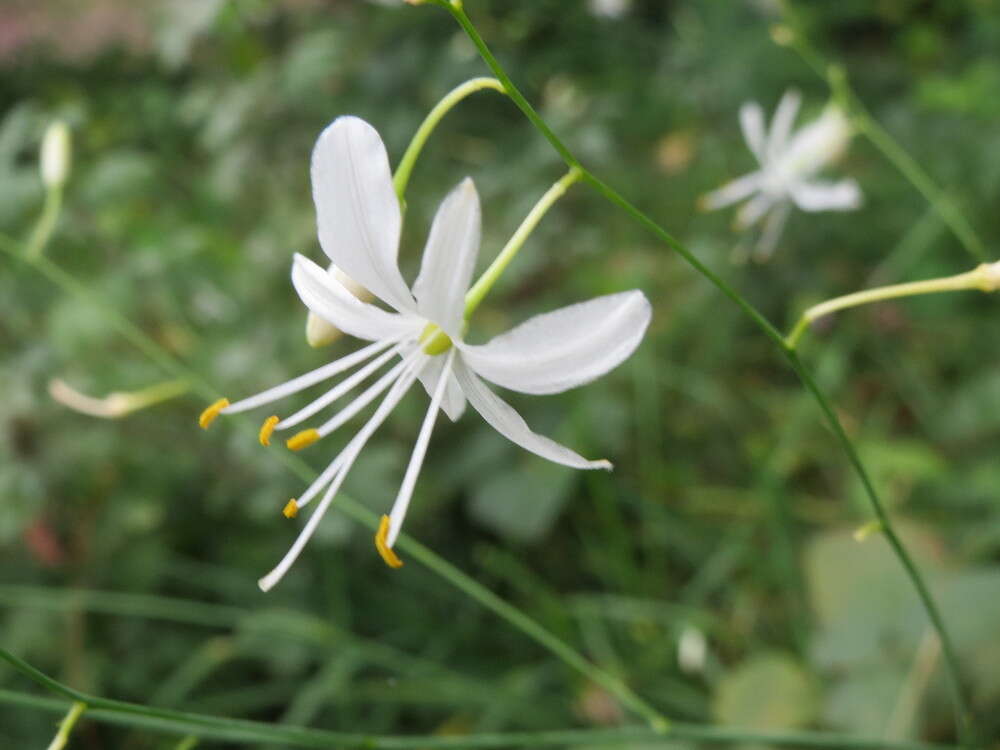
(730, 509)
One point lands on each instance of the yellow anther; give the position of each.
(291, 509)
(390, 557)
(266, 429)
(208, 416)
(302, 439)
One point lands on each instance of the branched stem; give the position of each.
(867, 125)
(984, 278)
(962, 710)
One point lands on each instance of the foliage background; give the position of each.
(730, 510)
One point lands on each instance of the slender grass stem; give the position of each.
(241, 730)
(76, 710)
(963, 714)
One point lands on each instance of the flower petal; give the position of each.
(560, 350)
(449, 258)
(752, 124)
(732, 192)
(329, 299)
(752, 211)
(357, 211)
(502, 418)
(781, 122)
(454, 400)
(816, 195)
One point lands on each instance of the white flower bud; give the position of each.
(319, 332)
(692, 648)
(56, 155)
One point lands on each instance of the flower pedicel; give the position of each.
(359, 220)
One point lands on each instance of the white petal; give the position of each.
(752, 211)
(402, 501)
(773, 226)
(781, 123)
(329, 299)
(752, 123)
(454, 400)
(732, 192)
(449, 258)
(357, 211)
(502, 418)
(844, 195)
(560, 350)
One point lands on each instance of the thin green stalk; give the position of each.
(353, 509)
(66, 725)
(406, 164)
(479, 290)
(983, 277)
(241, 730)
(46, 223)
(963, 713)
(187, 743)
(868, 126)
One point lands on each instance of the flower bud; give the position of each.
(320, 332)
(56, 155)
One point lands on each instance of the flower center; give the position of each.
(435, 340)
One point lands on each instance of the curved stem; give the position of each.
(406, 164)
(479, 290)
(66, 725)
(963, 713)
(46, 223)
(241, 730)
(983, 278)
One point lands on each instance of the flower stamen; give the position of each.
(291, 509)
(208, 416)
(303, 439)
(391, 558)
(266, 430)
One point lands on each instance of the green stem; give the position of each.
(241, 730)
(983, 278)
(868, 126)
(46, 225)
(353, 509)
(479, 290)
(66, 725)
(963, 714)
(406, 164)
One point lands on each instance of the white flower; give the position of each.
(789, 163)
(359, 220)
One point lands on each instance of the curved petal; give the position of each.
(781, 123)
(732, 192)
(816, 195)
(752, 125)
(453, 402)
(560, 350)
(357, 211)
(502, 418)
(328, 298)
(449, 258)
(753, 210)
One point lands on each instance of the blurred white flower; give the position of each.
(359, 222)
(789, 163)
(609, 8)
(55, 155)
(692, 648)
